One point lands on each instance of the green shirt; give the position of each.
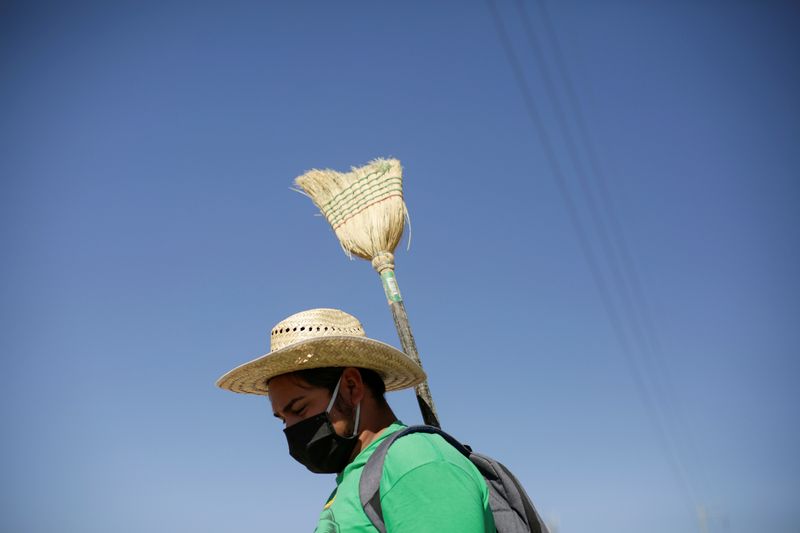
(426, 486)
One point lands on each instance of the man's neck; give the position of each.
(372, 427)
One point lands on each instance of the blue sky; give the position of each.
(151, 241)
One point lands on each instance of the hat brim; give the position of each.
(397, 369)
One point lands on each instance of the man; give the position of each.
(326, 381)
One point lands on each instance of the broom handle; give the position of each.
(384, 264)
(424, 399)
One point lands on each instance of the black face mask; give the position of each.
(315, 444)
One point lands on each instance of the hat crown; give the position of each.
(313, 324)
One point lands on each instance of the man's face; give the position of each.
(294, 400)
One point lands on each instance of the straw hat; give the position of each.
(320, 338)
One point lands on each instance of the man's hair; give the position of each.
(329, 376)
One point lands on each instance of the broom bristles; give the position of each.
(364, 207)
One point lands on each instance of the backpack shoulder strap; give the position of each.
(535, 521)
(369, 487)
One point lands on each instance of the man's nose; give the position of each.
(291, 420)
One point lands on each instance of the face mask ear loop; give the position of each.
(333, 396)
(358, 417)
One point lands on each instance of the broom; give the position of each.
(365, 208)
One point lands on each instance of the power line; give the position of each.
(620, 267)
(623, 266)
(617, 231)
(588, 253)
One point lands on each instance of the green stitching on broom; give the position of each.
(374, 175)
(337, 209)
(332, 210)
(335, 219)
(391, 193)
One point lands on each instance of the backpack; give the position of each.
(512, 509)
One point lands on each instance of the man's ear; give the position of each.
(352, 386)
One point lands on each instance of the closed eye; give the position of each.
(291, 408)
